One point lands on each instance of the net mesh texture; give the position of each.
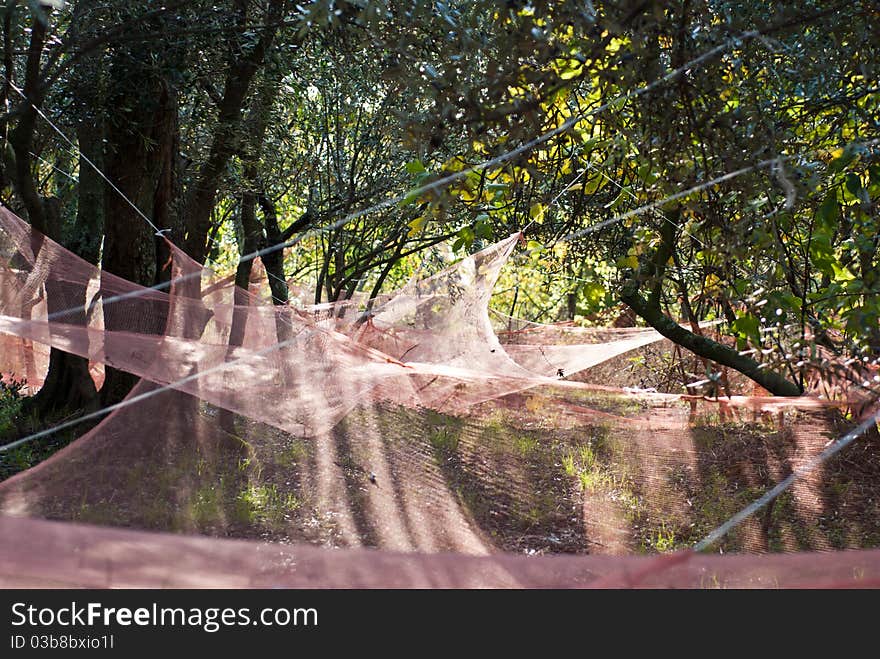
(420, 440)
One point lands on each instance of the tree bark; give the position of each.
(68, 385)
(274, 263)
(253, 237)
(138, 153)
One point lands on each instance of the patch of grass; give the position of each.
(207, 504)
(585, 463)
(840, 488)
(264, 503)
(11, 401)
(474, 501)
(592, 480)
(781, 510)
(495, 423)
(434, 418)
(705, 436)
(526, 445)
(157, 514)
(610, 402)
(101, 513)
(294, 453)
(662, 539)
(445, 440)
(18, 459)
(25, 456)
(16, 424)
(628, 499)
(713, 503)
(587, 456)
(444, 433)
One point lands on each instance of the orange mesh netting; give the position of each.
(407, 426)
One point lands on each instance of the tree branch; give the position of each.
(649, 310)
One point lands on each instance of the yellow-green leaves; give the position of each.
(415, 167)
(536, 213)
(631, 261)
(417, 225)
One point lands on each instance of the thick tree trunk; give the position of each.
(251, 242)
(68, 384)
(22, 138)
(241, 302)
(168, 200)
(274, 261)
(138, 153)
(86, 240)
(253, 237)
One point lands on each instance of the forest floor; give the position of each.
(569, 471)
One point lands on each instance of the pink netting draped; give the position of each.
(418, 423)
(53, 555)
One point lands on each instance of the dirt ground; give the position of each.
(564, 473)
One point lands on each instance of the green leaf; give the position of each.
(410, 198)
(829, 211)
(415, 167)
(571, 72)
(791, 301)
(840, 163)
(853, 184)
(625, 195)
(484, 230)
(746, 326)
(594, 292)
(645, 174)
(631, 261)
(534, 246)
(841, 273)
(466, 235)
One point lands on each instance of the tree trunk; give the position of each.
(68, 385)
(168, 199)
(251, 242)
(243, 67)
(138, 151)
(253, 238)
(274, 263)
